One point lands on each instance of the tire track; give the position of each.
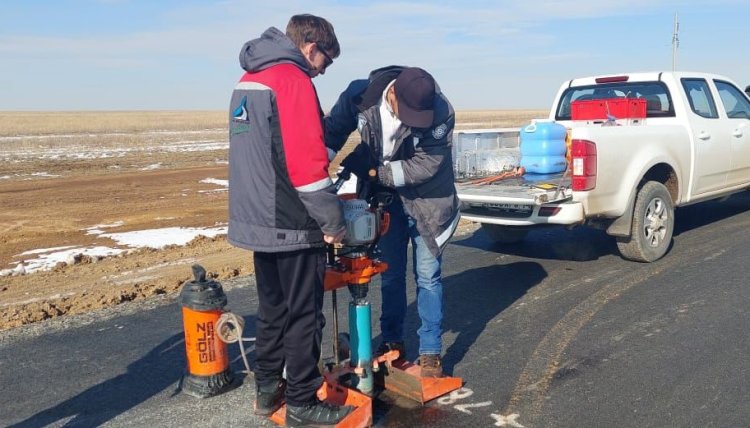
(532, 386)
(533, 383)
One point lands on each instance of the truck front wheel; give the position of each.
(504, 234)
(653, 224)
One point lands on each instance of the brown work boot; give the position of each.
(392, 346)
(431, 365)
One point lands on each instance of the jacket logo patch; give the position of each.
(240, 123)
(439, 131)
(240, 128)
(240, 112)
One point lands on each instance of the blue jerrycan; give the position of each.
(543, 147)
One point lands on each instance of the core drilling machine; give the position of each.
(352, 265)
(350, 379)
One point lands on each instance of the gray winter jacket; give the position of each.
(420, 168)
(280, 195)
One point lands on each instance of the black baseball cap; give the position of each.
(415, 95)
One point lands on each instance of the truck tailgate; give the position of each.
(517, 193)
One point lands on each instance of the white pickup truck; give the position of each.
(693, 145)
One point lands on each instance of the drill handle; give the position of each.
(344, 175)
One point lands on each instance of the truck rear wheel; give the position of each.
(504, 234)
(653, 224)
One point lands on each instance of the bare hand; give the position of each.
(334, 239)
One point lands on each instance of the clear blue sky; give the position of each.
(182, 54)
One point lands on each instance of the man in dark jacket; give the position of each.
(406, 125)
(282, 206)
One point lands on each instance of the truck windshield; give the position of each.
(658, 100)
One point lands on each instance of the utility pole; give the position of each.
(675, 41)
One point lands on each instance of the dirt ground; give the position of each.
(50, 201)
(139, 200)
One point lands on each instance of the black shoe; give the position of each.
(269, 398)
(392, 346)
(316, 414)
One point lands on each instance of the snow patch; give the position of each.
(151, 167)
(224, 183)
(46, 250)
(48, 258)
(160, 238)
(97, 230)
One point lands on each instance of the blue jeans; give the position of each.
(393, 283)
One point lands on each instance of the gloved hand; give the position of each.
(361, 163)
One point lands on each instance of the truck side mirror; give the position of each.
(747, 90)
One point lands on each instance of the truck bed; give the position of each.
(487, 152)
(515, 197)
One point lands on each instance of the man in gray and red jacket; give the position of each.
(282, 206)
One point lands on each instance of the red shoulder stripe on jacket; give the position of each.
(300, 122)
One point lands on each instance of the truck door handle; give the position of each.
(704, 135)
(737, 133)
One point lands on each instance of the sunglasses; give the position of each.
(329, 60)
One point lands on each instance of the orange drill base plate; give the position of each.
(360, 417)
(404, 379)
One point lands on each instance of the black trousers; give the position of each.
(290, 320)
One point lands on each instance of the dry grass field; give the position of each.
(64, 174)
(56, 123)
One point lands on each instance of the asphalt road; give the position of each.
(556, 332)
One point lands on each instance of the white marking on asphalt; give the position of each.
(464, 408)
(510, 420)
(714, 255)
(454, 396)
